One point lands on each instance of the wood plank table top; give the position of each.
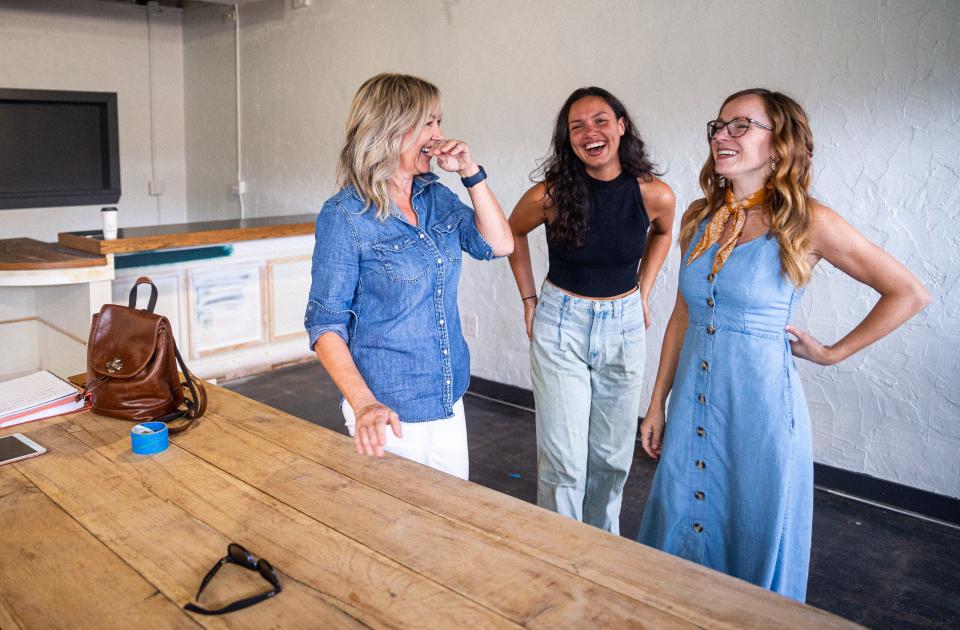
(96, 536)
(26, 254)
(147, 238)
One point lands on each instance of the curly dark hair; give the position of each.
(565, 176)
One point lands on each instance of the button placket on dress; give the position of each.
(698, 498)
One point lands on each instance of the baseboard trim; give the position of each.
(500, 391)
(888, 493)
(853, 484)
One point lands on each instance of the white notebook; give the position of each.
(34, 393)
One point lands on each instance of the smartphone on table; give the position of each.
(17, 446)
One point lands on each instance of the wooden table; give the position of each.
(93, 536)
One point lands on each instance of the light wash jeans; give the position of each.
(587, 359)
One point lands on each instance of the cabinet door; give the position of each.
(227, 309)
(289, 290)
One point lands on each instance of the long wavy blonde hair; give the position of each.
(790, 204)
(384, 109)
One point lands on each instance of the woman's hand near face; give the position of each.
(454, 156)
(371, 428)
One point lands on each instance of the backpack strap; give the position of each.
(195, 404)
(152, 303)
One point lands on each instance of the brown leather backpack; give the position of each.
(132, 366)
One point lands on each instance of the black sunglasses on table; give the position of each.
(238, 555)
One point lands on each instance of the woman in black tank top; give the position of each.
(608, 224)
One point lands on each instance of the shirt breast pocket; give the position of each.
(448, 236)
(401, 258)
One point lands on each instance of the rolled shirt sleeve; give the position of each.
(471, 240)
(335, 274)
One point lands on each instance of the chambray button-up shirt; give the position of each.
(390, 291)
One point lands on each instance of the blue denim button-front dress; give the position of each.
(734, 486)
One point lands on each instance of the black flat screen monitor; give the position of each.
(58, 148)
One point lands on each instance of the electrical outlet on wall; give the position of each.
(471, 326)
(300, 4)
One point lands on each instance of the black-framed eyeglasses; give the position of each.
(735, 128)
(238, 555)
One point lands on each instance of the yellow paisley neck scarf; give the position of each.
(732, 208)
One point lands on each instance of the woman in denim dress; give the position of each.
(734, 484)
(382, 312)
(609, 221)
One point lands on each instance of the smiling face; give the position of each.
(595, 136)
(745, 161)
(413, 157)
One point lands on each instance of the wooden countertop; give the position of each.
(146, 238)
(27, 254)
(95, 536)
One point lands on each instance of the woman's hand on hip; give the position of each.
(807, 347)
(529, 311)
(651, 431)
(454, 156)
(371, 428)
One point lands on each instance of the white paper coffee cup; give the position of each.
(109, 216)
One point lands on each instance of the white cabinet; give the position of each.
(235, 314)
(227, 308)
(289, 282)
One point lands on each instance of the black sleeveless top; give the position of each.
(617, 224)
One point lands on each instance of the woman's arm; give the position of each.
(651, 429)
(661, 205)
(527, 215)
(372, 416)
(454, 155)
(489, 218)
(901, 294)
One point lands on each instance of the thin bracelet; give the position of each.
(529, 297)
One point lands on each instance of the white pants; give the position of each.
(440, 444)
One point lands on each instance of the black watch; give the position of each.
(474, 179)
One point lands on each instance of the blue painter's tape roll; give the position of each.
(148, 438)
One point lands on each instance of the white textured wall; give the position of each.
(102, 47)
(880, 81)
(209, 72)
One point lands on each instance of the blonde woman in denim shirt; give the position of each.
(382, 314)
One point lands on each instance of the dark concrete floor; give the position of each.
(873, 566)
